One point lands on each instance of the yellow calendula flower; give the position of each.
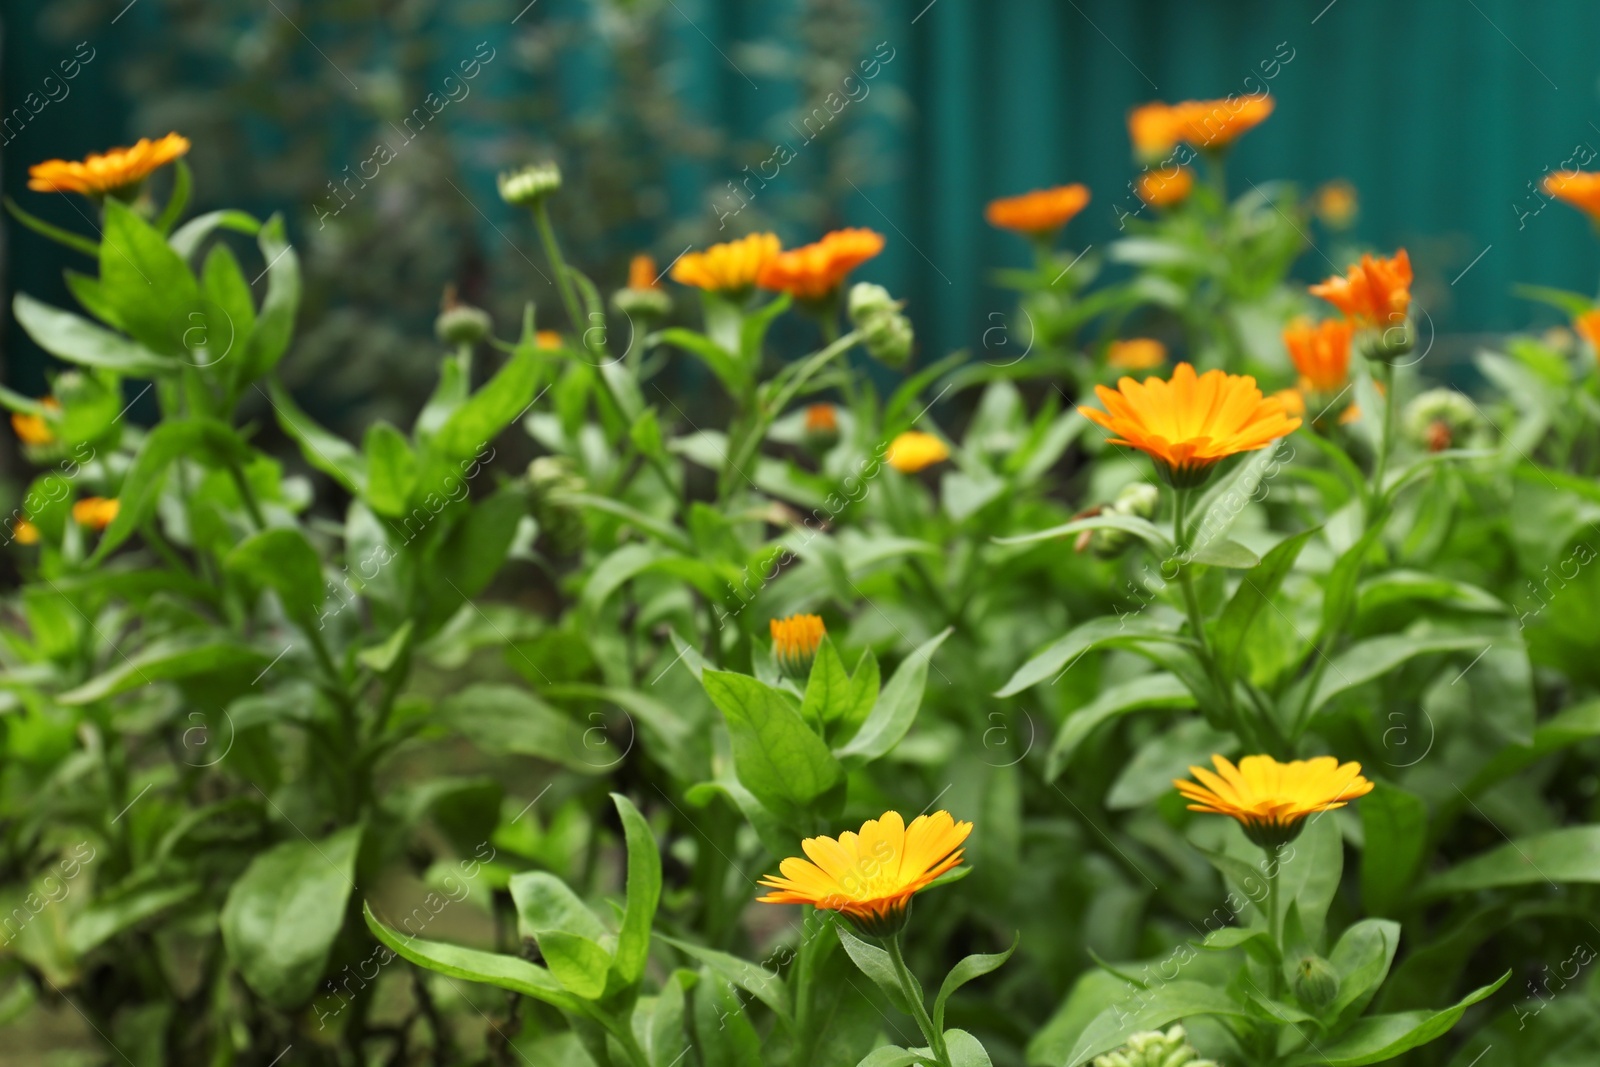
(1190, 423)
(24, 532)
(1336, 204)
(547, 339)
(914, 450)
(795, 641)
(1293, 400)
(112, 172)
(95, 512)
(1039, 212)
(729, 267)
(871, 876)
(35, 429)
(1270, 799)
(1136, 353)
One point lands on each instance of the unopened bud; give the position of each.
(1316, 983)
(530, 184)
(1152, 1048)
(886, 333)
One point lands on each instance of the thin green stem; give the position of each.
(1274, 929)
(919, 1010)
(552, 251)
(1385, 440)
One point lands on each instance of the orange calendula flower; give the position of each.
(547, 339)
(821, 418)
(1321, 353)
(871, 876)
(642, 273)
(35, 429)
(24, 532)
(1587, 325)
(1189, 423)
(1272, 799)
(1218, 123)
(729, 267)
(95, 512)
(1039, 212)
(1136, 353)
(1163, 188)
(1579, 188)
(1375, 292)
(113, 172)
(914, 450)
(812, 271)
(795, 641)
(1155, 129)
(1294, 402)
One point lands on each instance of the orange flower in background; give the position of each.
(1375, 292)
(812, 271)
(1162, 189)
(1155, 129)
(95, 512)
(24, 532)
(727, 267)
(114, 171)
(821, 418)
(1587, 325)
(642, 273)
(914, 450)
(1191, 422)
(1336, 204)
(1270, 799)
(1218, 123)
(1579, 188)
(795, 641)
(1294, 402)
(1321, 353)
(1038, 212)
(547, 339)
(35, 429)
(871, 876)
(1136, 353)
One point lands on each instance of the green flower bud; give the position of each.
(1389, 344)
(462, 324)
(886, 333)
(1152, 1048)
(530, 184)
(1441, 418)
(642, 303)
(550, 480)
(1138, 500)
(1316, 983)
(867, 300)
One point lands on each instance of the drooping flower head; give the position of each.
(813, 271)
(35, 429)
(1321, 353)
(731, 267)
(914, 450)
(1579, 188)
(1270, 799)
(1136, 353)
(117, 171)
(95, 512)
(1164, 188)
(871, 876)
(1375, 292)
(1040, 212)
(1191, 422)
(1216, 124)
(795, 641)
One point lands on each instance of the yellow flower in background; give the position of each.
(95, 512)
(1270, 799)
(1375, 292)
(547, 339)
(914, 450)
(795, 641)
(1189, 423)
(729, 267)
(812, 271)
(1587, 325)
(1579, 188)
(1294, 402)
(1321, 353)
(1218, 123)
(871, 877)
(35, 429)
(1039, 212)
(1162, 189)
(24, 532)
(111, 172)
(1336, 204)
(1136, 353)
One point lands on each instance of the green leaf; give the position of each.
(476, 547)
(147, 283)
(644, 891)
(726, 1037)
(1156, 622)
(1152, 1009)
(281, 559)
(754, 979)
(875, 963)
(188, 237)
(182, 183)
(827, 690)
(55, 233)
(1570, 854)
(965, 1050)
(1366, 660)
(391, 470)
(1159, 690)
(110, 915)
(896, 707)
(270, 339)
(283, 914)
(1143, 529)
(223, 283)
(509, 719)
(1225, 553)
(723, 363)
(1380, 1038)
(328, 453)
(1394, 824)
(894, 1056)
(382, 657)
(77, 340)
(1215, 513)
(546, 904)
(578, 963)
(1575, 724)
(777, 756)
(1362, 958)
(165, 660)
(460, 440)
(974, 966)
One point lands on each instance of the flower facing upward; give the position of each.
(1579, 188)
(113, 172)
(1218, 123)
(1161, 189)
(1321, 353)
(1136, 353)
(1587, 325)
(1271, 799)
(1040, 212)
(34, 429)
(547, 339)
(1375, 292)
(914, 450)
(871, 877)
(1154, 129)
(729, 267)
(812, 271)
(95, 512)
(795, 641)
(24, 532)
(1189, 423)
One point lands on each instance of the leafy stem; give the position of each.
(919, 1010)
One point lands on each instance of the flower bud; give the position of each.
(462, 324)
(1441, 418)
(1152, 1048)
(528, 185)
(821, 428)
(643, 297)
(886, 333)
(1388, 344)
(1316, 983)
(561, 523)
(1138, 500)
(795, 641)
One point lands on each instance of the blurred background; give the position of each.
(680, 122)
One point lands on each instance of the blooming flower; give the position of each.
(795, 641)
(95, 512)
(1136, 353)
(1161, 189)
(871, 877)
(34, 429)
(1375, 292)
(1336, 204)
(25, 532)
(1579, 188)
(1154, 129)
(115, 171)
(547, 339)
(914, 450)
(1321, 353)
(728, 267)
(812, 271)
(642, 273)
(1587, 325)
(1271, 799)
(1189, 423)
(1039, 212)
(1218, 123)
